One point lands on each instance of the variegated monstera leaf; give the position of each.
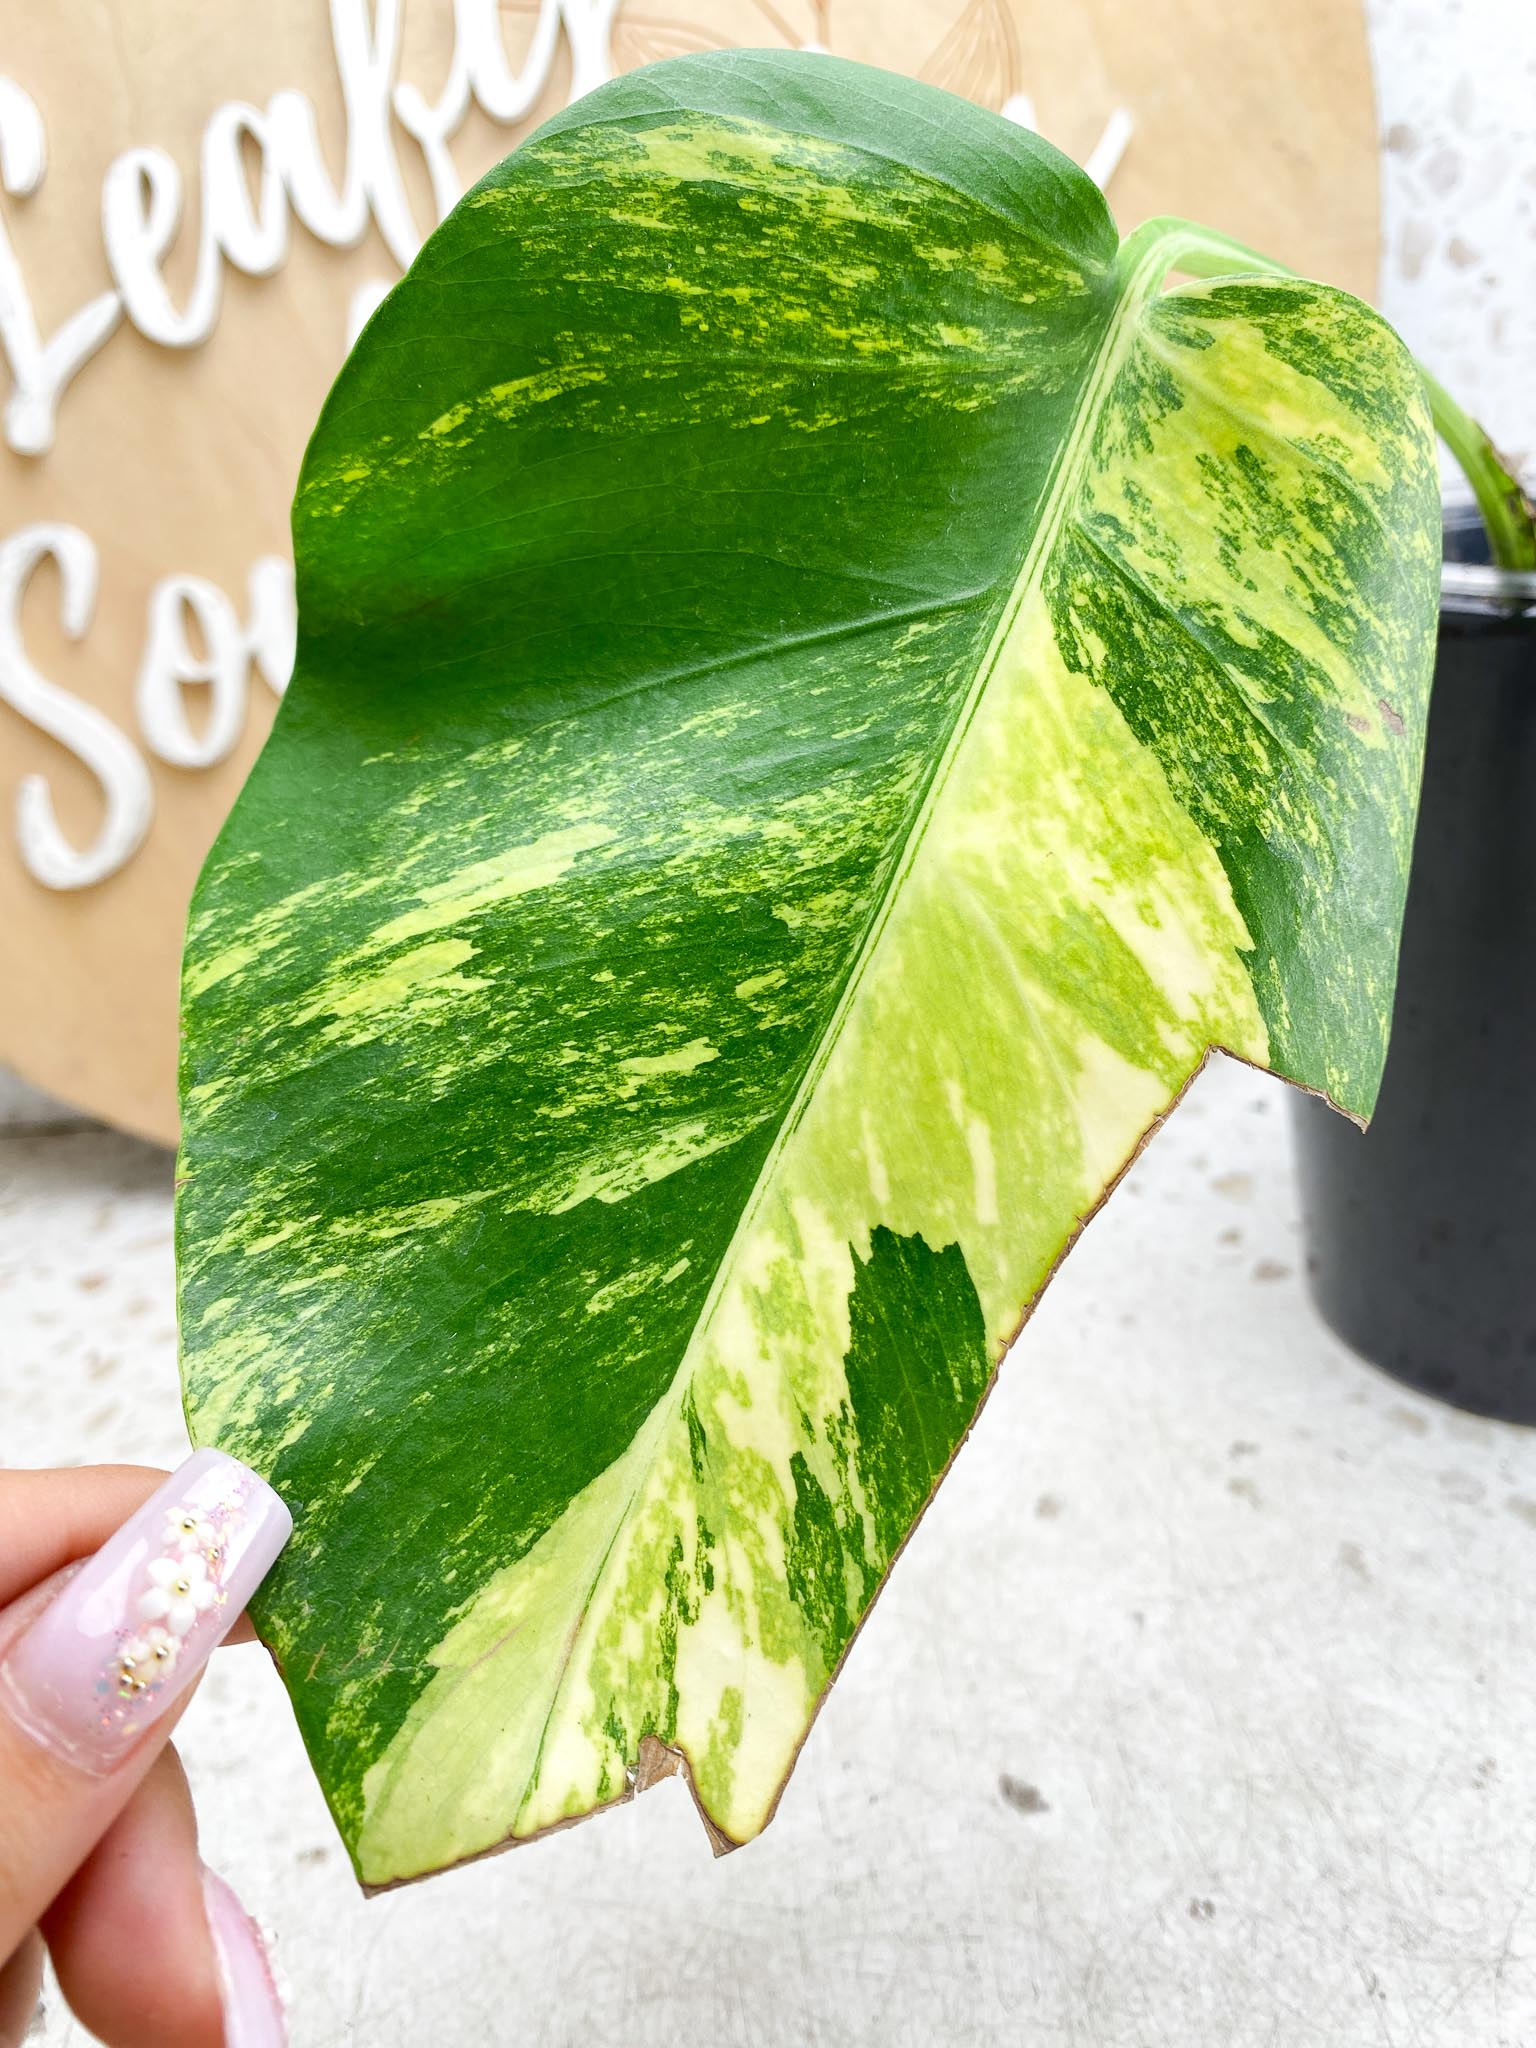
(823, 690)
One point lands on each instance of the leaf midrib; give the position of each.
(1137, 279)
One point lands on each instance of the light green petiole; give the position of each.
(1508, 514)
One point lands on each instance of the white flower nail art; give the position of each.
(180, 1591)
(145, 1659)
(186, 1530)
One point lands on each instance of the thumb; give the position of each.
(91, 1684)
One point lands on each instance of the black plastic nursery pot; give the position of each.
(1421, 1231)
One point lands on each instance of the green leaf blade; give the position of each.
(766, 818)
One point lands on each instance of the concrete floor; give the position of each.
(1198, 1711)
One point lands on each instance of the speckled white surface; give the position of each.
(1456, 92)
(1197, 1713)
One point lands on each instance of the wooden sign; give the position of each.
(200, 207)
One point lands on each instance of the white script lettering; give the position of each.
(88, 733)
(229, 650)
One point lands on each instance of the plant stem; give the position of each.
(1508, 515)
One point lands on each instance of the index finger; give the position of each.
(48, 1519)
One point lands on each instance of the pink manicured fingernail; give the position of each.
(253, 2012)
(134, 1626)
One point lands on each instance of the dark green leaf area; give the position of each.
(1007, 171)
(749, 403)
(917, 1366)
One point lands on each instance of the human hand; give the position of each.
(98, 1841)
